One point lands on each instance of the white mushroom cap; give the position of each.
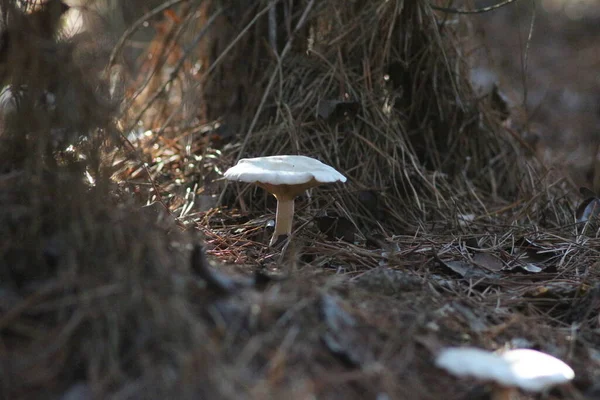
(476, 363)
(283, 170)
(285, 177)
(527, 369)
(536, 371)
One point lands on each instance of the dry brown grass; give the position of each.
(410, 135)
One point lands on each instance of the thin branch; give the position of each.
(136, 25)
(273, 25)
(526, 55)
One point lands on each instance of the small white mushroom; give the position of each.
(525, 369)
(285, 177)
(536, 371)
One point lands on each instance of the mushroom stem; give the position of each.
(503, 393)
(283, 218)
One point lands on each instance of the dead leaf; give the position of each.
(534, 252)
(468, 271)
(588, 209)
(529, 267)
(488, 261)
(520, 266)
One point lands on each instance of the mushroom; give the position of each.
(525, 369)
(537, 371)
(285, 177)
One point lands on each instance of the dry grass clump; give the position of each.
(378, 90)
(381, 95)
(89, 286)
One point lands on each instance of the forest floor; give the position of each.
(196, 305)
(364, 319)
